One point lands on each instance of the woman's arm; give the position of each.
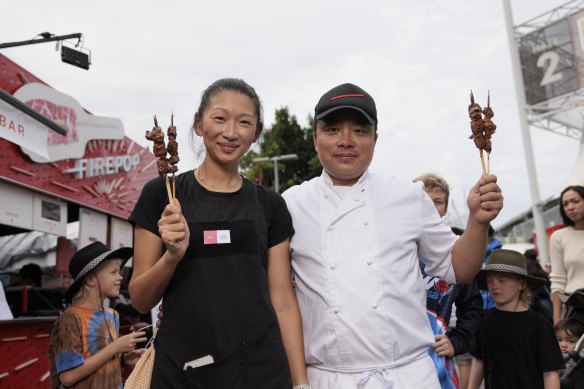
(557, 305)
(476, 374)
(558, 275)
(286, 307)
(152, 272)
(551, 380)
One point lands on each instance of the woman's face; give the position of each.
(228, 126)
(573, 205)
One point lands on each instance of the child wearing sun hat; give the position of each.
(515, 347)
(85, 350)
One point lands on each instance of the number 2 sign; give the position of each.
(549, 61)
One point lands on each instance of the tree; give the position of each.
(285, 136)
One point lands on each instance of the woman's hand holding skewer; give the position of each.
(174, 232)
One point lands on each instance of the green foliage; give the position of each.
(285, 136)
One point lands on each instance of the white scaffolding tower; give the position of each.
(559, 64)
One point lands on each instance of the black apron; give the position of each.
(217, 303)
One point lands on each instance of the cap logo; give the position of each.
(349, 95)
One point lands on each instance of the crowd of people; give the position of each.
(378, 276)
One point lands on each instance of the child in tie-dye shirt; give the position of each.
(85, 350)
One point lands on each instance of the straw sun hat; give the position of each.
(508, 261)
(90, 257)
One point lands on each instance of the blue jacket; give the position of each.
(440, 295)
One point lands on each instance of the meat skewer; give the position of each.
(482, 128)
(490, 128)
(159, 150)
(172, 148)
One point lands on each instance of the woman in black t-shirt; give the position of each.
(220, 259)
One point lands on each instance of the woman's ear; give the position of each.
(197, 126)
(258, 132)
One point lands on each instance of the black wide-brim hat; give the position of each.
(90, 257)
(508, 261)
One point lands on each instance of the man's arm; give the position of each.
(485, 201)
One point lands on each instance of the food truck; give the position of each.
(67, 178)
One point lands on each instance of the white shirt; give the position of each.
(567, 259)
(358, 282)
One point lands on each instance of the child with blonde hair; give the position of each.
(515, 347)
(85, 350)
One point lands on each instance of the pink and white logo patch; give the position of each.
(216, 237)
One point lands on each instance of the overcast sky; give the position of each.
(418, 58)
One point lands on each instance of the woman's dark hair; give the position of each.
(576, 188)
(236, 85)
(533, 267)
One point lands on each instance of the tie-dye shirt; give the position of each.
(78, 334)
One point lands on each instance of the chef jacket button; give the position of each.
(369, 262)
(333, 266)
(366, 223)
(331, 228)
(374, 306)
(336, 310)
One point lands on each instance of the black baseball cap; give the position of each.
(346, 96)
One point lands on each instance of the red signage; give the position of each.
(108, 177)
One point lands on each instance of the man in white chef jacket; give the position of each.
(359, 236)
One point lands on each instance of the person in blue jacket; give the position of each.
(440, 298)
(492, 244)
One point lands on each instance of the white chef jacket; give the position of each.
(355, 261)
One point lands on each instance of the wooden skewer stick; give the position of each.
(173, 187)
(483, 163)
(488, 153)
(170, 198)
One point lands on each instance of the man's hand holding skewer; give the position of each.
(485, 200)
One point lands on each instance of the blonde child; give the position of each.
(85, 350)
(515, 347)
(568, 333)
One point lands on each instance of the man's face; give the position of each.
(344, 142)
(440, 202)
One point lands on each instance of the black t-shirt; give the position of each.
(516, 349)
(217, 302)
(154, 199)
